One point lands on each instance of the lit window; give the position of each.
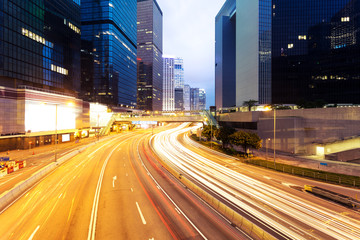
(345, 19)
(302, 37)
(290, 45)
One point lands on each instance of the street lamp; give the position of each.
(274, 108)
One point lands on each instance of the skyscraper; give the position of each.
(225, 56)
(40, 45)
(194, 99)
(179, 99)
(202, 99)
(109, 50)
(251, 43)
(316, 51)
(150, 44)
(179, 73)
(187, 97)
(168, 84)
(288, 51)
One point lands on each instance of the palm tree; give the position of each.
(251, 103)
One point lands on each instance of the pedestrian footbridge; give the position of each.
(159, 117)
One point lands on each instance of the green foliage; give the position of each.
(223, 134)
(251, 103)
(207, 130)
(246, 140)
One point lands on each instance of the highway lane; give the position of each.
(277, 208)
(180, 206)
(112, 190)
(36, 162)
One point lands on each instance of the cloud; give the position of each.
(189, 32)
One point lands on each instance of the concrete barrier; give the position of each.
(235, 218)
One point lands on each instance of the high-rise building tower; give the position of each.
(168, 84)
(187, 97)
(194, 99)
(225, 56)
(251, 43)
(202, 99)
(40, 44)
(288, 52)
(179, 73)
(316, 51)
(109, 51)
(149, 59)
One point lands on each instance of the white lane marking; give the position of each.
(33, 234)
(132, 190)
(269, 178)
(171, 200)
(114, 178)
(141, 215)
(178, 211)
(92, 225)
(127, 174)
(60, 195)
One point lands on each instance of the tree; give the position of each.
(223, 134)
(206, 132)
(251, 103)
(246, 140)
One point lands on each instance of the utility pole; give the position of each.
(274, 135)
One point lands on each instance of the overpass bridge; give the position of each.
(159, 117)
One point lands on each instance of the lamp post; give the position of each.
(274, 135)
(56, 138)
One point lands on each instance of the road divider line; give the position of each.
(33, 234)
(92, 225)
(141, 215)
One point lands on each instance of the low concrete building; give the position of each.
(303, 131)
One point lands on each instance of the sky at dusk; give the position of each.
(189, 32)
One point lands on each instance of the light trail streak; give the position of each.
(290, 213)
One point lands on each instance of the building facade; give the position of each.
(168, 84)
(202, 99)
(109, 51)
(179, 99)
(187, 97)
(149, 59)
(179, 73)
(288, 52)
(225, 56)
(316, 51)
(40, 45)
(194, 99)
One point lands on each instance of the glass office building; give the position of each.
(316, 51)
(288, 52)
(225, 56)
(109, 51)
(40, 44)
(179, 73)
(168, 84)
(150, 45)
(243, 52)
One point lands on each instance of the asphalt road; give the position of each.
(113, 190)
(273, 202)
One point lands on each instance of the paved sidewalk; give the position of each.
(28, 153)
